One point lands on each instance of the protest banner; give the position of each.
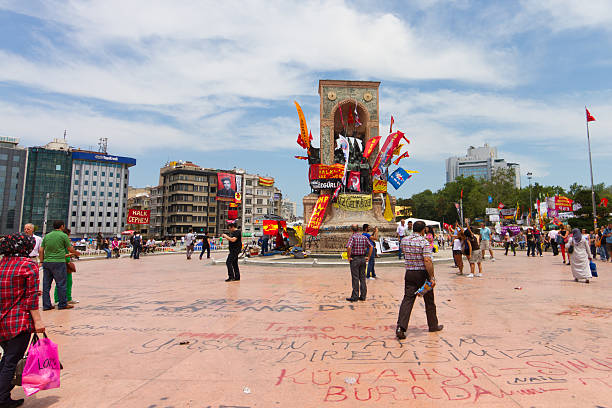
(138, 216)
(318, 213)
(354, 202)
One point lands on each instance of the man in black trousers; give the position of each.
(205, 247)
(235, 246)
(419, 268)
(359, 251)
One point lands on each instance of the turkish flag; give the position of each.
(589, 117)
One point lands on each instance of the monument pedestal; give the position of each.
(336, 227)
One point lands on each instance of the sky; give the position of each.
(214, 82)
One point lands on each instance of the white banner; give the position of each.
(494, 218)
(491, 211)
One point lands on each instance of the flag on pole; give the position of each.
(398, 177)
(357, 122)
(589, 117)
(370, 146)
(396, 161)
(343, 143)
(391, 125)
(388, 214)
(603, 202)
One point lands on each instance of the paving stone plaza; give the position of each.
(166, 332)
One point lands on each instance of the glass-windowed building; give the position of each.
(98, 193)
(12, 179)
(48, 171)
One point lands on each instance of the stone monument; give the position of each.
(350, 109)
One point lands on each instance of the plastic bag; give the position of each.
(593, 267)
(42, 367)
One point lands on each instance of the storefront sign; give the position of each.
(321, 184)
(103, 158)
(318, 213)
(491, 211)
(323, 171)
(354, 202)
(138, 216)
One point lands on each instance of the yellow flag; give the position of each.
(398, 149)
(388, 213)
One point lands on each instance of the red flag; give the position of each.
(500, 206)
(396, 161)
(370, 146)
(603, 202)
(301, 157)
(391, 126)
(461, 193)
(589, 117)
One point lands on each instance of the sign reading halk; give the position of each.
(138, 216)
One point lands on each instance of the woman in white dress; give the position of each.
(581, 256)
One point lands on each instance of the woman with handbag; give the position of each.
(19, 314)
(70, 269)
(562, 238)
(580, 253)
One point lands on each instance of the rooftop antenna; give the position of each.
(102, 144)
(64, 134)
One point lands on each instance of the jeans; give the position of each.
(108, 252)
(531, 248)
(370, 270)
(399, 251)
(264, 246)
(602, 253)
(54, 271)
(12, 351)
(413, 280)
(509, 245)
(136, 251)
(555, 247)
(233, 272)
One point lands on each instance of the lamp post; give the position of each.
(530, 205)
(48, 197)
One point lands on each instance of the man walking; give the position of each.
(401, 231)
(137, 246)
(53, 249)
(607, 234)
(552, 236)
(235, 246)
(28, 229)
(189, 243)
(205, 247)
(485, 241)
(370, 273)
(419, 268)
(359, 251)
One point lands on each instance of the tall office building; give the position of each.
(479, 162)
(12, 179)
(98, 197)
(259, 200)
(49, 170)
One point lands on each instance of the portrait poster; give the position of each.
(226, 186)
(354, 181)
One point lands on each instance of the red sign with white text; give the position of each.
(138, 216)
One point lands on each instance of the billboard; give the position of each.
(138, 216)
(226, 186)
(101, 157)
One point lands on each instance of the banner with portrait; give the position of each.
(318, 213)
(354, 181)
(354, 202)
(226, 186)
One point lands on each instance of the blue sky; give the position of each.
(214, 83)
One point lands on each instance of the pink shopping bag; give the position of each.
(42, 367)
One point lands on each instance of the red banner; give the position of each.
(138, 216)
(270, 227)
(563, 204)
(318, 212)
(379, 186)
(323, 171)
(370, 146)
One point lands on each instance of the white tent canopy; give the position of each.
(429, 223)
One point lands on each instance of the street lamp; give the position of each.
(530, 204)
(48, 197)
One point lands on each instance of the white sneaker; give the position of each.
(471, 275)
(371, 278)
(479, 275)
(492, 259)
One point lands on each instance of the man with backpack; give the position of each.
(137, 246)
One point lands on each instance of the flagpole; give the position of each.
(591, 168)
(461, 206)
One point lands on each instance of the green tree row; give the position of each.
(440, 205)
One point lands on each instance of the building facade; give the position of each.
(481, 163)
(288, 210)
(258, 201)
(49, 170)
(13, 161)
(98, 196)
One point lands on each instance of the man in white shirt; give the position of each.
(189, 243)
(28, 229)
(401, 232)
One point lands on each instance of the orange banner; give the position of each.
(316, 219)
(323, 171)
(303, 126)
(379, 186)
(370, 146)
